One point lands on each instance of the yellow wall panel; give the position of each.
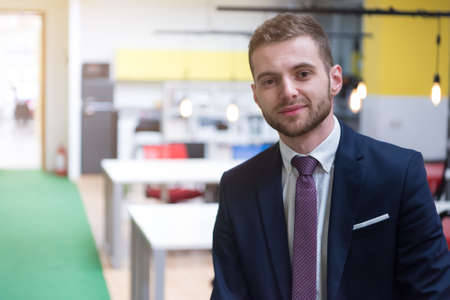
(208, 65)
(144, 65)
(161, 65)
(400, 58)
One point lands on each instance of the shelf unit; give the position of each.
(208, 123)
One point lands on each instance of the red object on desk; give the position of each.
(172, 151)
(165, 151)
(175, 195)
(435, 175)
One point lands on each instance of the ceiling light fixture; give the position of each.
(361, 89)
(186, 108)
(232, 112)
(354, 102)
(436, 94)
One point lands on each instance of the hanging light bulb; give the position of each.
(232, 112)
(436, 95)
(355, 102)
(186, 108)
(361, 89)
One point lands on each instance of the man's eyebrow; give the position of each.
(304, 65)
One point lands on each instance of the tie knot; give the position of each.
(305, 165)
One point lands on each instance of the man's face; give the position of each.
(292, 87)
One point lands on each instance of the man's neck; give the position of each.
(307, 142)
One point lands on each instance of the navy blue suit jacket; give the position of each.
(403, 257)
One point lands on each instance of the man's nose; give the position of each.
(289, 89)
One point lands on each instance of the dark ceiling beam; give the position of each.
(341, 11)
(338, 35)
(204, 32)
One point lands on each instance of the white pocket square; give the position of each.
(371, 222)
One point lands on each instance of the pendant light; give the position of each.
(232, 112)
(359, 92)
(361, 89)
(436, 94)
(186, 107)
(355, 102)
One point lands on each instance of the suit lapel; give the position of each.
(348, 173)
(270, 199)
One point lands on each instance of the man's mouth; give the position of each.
(292, 109)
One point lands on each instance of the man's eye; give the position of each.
(267, 82)
(303, 74)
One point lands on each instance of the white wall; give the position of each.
(56, 68)
(407, 121)
(108, 25)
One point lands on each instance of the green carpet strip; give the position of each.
(46, 246)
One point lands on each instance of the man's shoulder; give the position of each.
(256, 165)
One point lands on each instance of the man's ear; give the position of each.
(335, 80)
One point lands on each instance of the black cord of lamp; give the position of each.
(438, 43)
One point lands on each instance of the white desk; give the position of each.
(157, 228)
(163, 171)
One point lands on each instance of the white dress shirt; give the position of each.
(323, 178)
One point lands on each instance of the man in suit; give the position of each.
(326, 213)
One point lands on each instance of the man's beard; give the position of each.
(313, 119)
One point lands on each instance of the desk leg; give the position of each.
(113, 221)
(140, 260)
(159, 265)
(164, 193)
(211, 192)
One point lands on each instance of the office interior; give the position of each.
(147, 81)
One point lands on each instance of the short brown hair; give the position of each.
(284, 27)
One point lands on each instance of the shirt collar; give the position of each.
(324, 152)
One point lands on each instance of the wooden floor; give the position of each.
(188, 273)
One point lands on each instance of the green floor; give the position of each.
(47, 250)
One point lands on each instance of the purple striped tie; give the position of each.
(305, 231)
